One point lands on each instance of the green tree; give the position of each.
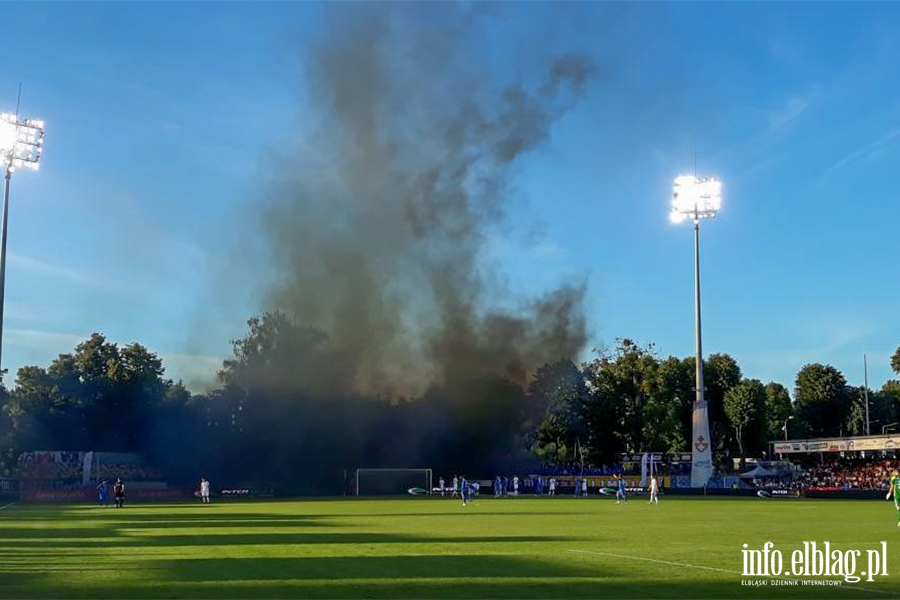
(822, 399)
(721, 372)
(744, 407)
(99, 397)
(621, 383)
(555, 404)
(895, 361)
(668, 412)
(884, 408)
(778, 409)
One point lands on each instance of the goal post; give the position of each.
(391, 482)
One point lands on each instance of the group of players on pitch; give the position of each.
(653, 488)
(119, 492)
(467, 490)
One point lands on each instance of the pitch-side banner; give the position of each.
(851, 444)
(701, 454)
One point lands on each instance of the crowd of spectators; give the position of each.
(576, 468)
(61, 466)
(62, 470)
(851, 473)
(126, 472)
(664, 467)
(777, 483)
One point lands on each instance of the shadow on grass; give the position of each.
(455, 576)
(456, 511)
(331, 570)
(10, 539)
(345, 568)
(112, 515)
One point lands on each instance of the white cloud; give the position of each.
(866, 150)
(51, 271)
(776, 123)
(42, 340)
(793, 107)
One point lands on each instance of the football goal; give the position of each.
(392, 482)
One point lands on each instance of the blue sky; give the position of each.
(161, 116)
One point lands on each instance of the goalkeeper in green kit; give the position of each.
(894, 491)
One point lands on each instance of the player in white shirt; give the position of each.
(584, 488)
(654, 491)
(455, 486)
(441, 485)
(204, 490)
(515, 485)
(552, 486)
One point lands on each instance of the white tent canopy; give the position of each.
(759, 471)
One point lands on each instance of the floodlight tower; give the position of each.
(697, 198)
(21, 146)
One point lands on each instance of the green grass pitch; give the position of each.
(428, 548)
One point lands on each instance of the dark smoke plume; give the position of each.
(379, 220)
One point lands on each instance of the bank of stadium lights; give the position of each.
(21, 142)
(697, 198)
(21, 146)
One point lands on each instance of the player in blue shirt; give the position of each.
(103, 489)
(620, 489)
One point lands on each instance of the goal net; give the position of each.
(392, 482)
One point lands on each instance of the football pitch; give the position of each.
(430, 548)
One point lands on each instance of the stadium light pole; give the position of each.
(866, 390)
(785, 427)
(21, 146)
(697, 198)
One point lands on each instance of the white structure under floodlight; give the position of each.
(21, 146)
(697, 198)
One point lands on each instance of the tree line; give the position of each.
(272, 421)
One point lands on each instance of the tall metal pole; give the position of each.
(866, 390)
(3, 259)
(701, 451)
(699, 369)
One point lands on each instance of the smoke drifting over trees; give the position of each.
(381, 345)
(378, 221)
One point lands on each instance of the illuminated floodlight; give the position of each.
(21, 146)
(21, 141)
(695, 198)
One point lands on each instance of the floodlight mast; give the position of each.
(21, 145)
(697, 198)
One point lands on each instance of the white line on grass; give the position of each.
(6, 505)
(675, 564)
(664, 562)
